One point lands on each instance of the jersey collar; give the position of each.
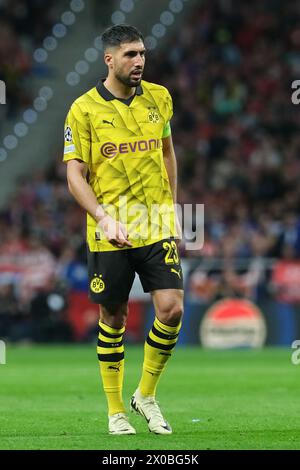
(108, 96)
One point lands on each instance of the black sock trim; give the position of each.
(103, 344)
(109, 335)
(165, 347)
(114, 357)
(163, 335)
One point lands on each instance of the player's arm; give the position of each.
(77, 156)
(170, 164)
(79, 187)
(171, 167)
(114, 231)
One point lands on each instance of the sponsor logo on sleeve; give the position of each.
(69, 149)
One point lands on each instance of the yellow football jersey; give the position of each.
(121, 142)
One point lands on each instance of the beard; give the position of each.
(128, 80)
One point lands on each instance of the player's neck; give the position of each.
(118, 89)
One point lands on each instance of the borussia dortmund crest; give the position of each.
(153, 117)
(97, 285)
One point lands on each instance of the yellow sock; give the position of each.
(110, 351)
(158, 349)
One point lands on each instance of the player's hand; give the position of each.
(115, 232)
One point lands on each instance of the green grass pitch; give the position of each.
(51, 398)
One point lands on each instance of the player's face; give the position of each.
(128, 63)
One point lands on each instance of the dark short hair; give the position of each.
(120, 33)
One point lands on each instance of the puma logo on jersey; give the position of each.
(109, 122)
(176, 272)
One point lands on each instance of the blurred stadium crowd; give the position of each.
(23, 26)
(229, 70)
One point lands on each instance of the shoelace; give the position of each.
(152, 406)
(122, 422)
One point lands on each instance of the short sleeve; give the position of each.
(169, 107)
(77, 138)
(167, 130)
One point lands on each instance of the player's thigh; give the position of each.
(110, 277)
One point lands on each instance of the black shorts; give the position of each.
(111, 273)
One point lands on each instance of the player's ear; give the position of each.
(108, 59)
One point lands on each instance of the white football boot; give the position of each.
(118, 424)
(149, 409)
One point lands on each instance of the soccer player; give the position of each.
(121, 169)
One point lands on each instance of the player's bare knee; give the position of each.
(171, 313)
(114, 314)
